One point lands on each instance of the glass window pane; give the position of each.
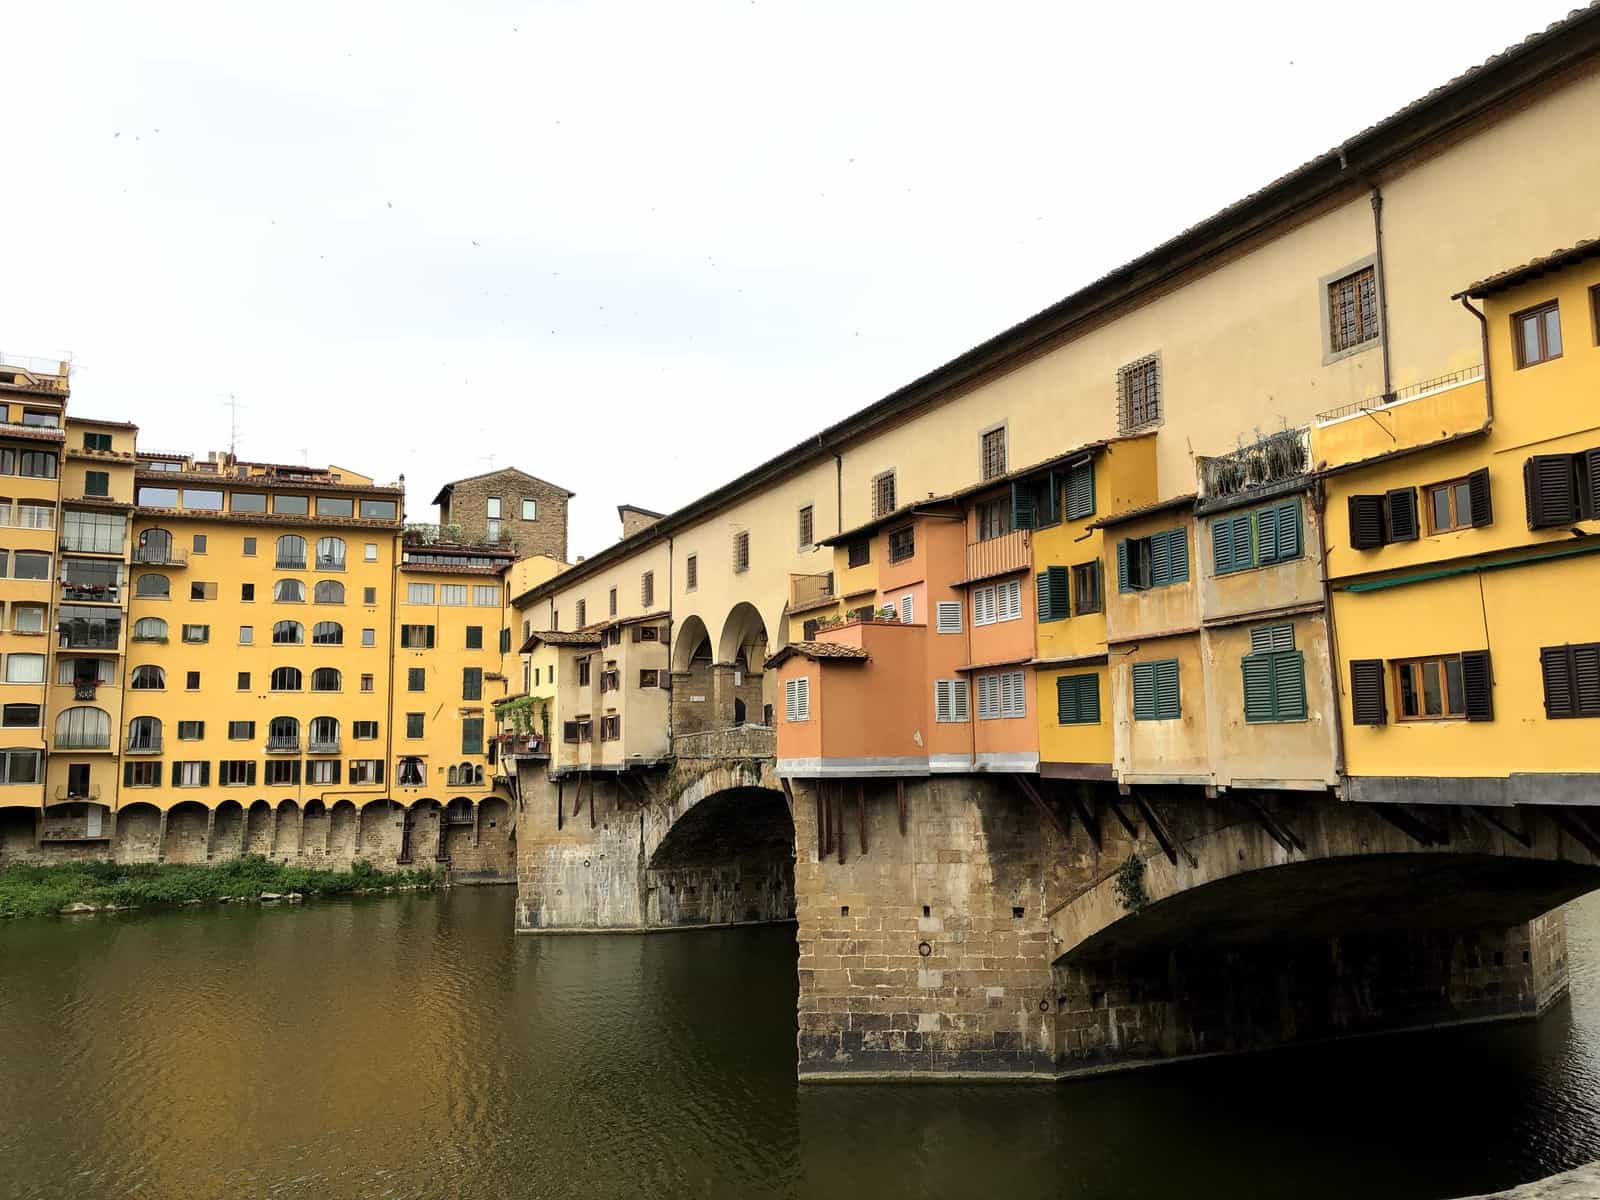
(1552, 333)
(297, 505)
(1463, 501)
(1453, 692)
(1530, 339)
(334, 506)
(1432, 702)
(378, 510)
(1441, 508)
(248, 502)
(158, 497)
(204, 498)
(1408, 692)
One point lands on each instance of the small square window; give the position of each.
(199, 543)
(369, 637)
(474, 637)
(1139, 394)
(413, 725)
(249, 547)
(247, 592)
(243, 681)
(370, 552)
(416, 679)
(1537, 334)
(369, 595)
(96, 483)
(366, 683)
(530, 509)
(247, 635)
(1353, 310)
(191, 681)
(992, 451)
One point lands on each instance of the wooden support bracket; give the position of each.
(1411, 825)
(1025, 785)
(900, 797)
(1575, 826)
(1122, 817)
(1276, 829)
(1091, 824)
(1169, 844)
(1491, 819)
(838, 818)
(788, 794)
(861, 813)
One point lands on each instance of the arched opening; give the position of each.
(422, 837)
(286, 835)
(380, 832)
(186, 833)
(741, 651)
(313, 830)
(138, 833)
(340, 845)
(258, 829)
(17, 826)
(728, 860)
(692, 691)
(227, 830)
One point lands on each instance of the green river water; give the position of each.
(411, 1046)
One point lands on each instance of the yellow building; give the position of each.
(1462, 522)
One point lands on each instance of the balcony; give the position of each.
(290, 564)
(1000, 556)
(161, 556)
(92, 593)
(810, 591)
(66, 794)
(144, 745)
(319, 746)
(1271, 459)
(82, 741)
(283, 745)
(1447, 406)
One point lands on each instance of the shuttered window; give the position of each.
(988, 697)
(1155, 691)
(1078, 699)
(797, 699)
(997, 602)
(908, 610)
(1571, 680)
(1080, 490)
(1055, 593)
(948, 616)
(472, 735)
(1274, 676)
(950, 705)
(1561, 488)
(472, 683)
(1377, 520)
(1367, 705)
(1087, 595)
(1154, 561)
(1258, 538)
(1002, 695)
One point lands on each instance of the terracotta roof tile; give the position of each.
(31, 433)
(557, 637)
(1145, 510)
(817, 651)
(1528, 271)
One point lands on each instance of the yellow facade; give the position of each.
(1500, 586)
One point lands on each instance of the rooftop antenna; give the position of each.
(305, 456)
(488, 458)
(233, 406)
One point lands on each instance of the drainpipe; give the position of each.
(1320, 498)
(838, 494)
(1488, 383)
(1383, 289)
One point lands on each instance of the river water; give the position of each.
(411, 1046)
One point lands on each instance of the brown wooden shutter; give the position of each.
(1589, 482)
(1477, 685)
(1555, 665)
(1586, 679)
(1366, 522)
(1402, 506)
(1548, 485)
(1479, 498)
(1367, 705)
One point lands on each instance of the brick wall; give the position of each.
(468, 509)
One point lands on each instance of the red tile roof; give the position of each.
(818, 651)
(1529, 271)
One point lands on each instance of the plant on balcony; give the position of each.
(888, 613)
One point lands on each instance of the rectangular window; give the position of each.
(1155, 691)
(29, 618)
(199, 543)
(1392, 517)
(97, 483)
(1154, 561)
(472, 683)
(197, 634)
(369, 553)
(1274, 676)
(947, 616)
(96, 533)
(281, 771)
(1054, 587)
(649, 679)
(366, 771)
(474, 637)
(141, 774)
(472, 734)
(191, 681)
(24, 668)
(741, 551)
(1448, 505)
(1139, 394)
(950, 702)
(902, 543)
(378, 510)
(20, 716)
(485, 595)
(908, 610)
(806, 536)
(202, 591)
(1562, 488)
(1537, 334)
(366, 683)
(883, 498)
(453, 594)
(1087, 591)
(369, 595)
(492, 508)
(992, 450)
(859, 552)
(241, 731)
(797, 699)
(691, 572)
(416, 679)
(369, 637)
(647, 590)
(611, 602)
(994, 519)
(191, 774)
(419, 593)
(530, 509)
(323, 770)
(1571, 680)
(30, 564)
(97, 441)
(247, 635)
(583, 672)
(191, 731)
(413, 637)
(1002, 695)
(202, 499)
(413, 725)
(242, 682)
(335, 506)
(1353, 310)
(1429, 689)
(232, 772)
(997, 602)
(1257, 538)
(1078, 699)
(248, 502)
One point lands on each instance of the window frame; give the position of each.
(1519, 346)
(1412, 670)
(1360, 339)
(992, 454)
(1459, 520)
(1150, 405)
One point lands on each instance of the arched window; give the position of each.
(327, 633)
(83, 729)
(144, 733)
(286, 679)
(148, 678)
(465, 775)
(324, 735)
(411, 773)
(452, 776)
(325, 679)
(329, 591)
(149, 629)
(291, 552)
(288, 633)
(459, 811)
(155, 546)
(283, 733)
(330, 554)
(289, 591)
(153, 587)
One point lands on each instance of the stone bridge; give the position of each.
(703, 838)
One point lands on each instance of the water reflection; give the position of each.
(411, 1047)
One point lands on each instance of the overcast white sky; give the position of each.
(631, 248)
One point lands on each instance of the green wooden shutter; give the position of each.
(127, 774)
(1266, 535)
(472, 735)
(1168, 702)
(1078, 700)
(1289, 686)
(1144, 691)
(1258, 701)
(1054, 586)
(1160, 560)
(1023, 512)
(1177, 555)
(1479, 500)
(1222, 560)
(1122, 566)
(1080, 490)
(1290, 542)
(1265, 639)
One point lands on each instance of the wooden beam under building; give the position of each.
(1025, 785)
(1169, 845)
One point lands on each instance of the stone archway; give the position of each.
(287, 831)
(693, 688)
(259, 824)
(227, 830)
(343, 822)
(138, 833)
(188, 823)
(739, 684)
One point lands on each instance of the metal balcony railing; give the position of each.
(1269, 459)
(143, 746)
(83, 741)
(323, 746)
(291, 564)
(94, 593)
(283, 745)
(997, 556)
(807, 590)
(160, 556)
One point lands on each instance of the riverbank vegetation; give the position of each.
(43, 891)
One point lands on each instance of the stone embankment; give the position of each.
(1581, 1184)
